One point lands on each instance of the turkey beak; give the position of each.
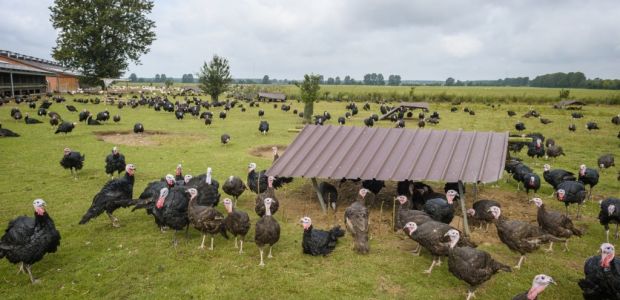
(552, 281)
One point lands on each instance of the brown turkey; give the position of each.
(555, 223)
(432, 236)
(471, 265)
(270, 192)
(479, 214)
(405, 215)
(356, 220)
(267, 231)
(237, 222)
(539, 284)
(520, 236)
(206, 219)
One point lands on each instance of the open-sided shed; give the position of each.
(405, 106)
(395, 154)
(271, 97)
(569, 104)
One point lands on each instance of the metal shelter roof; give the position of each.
(568, 103)
(405, 105)
(394, 154)
(275, 96)
(8, 66)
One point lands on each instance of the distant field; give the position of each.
(137, 261)
(508, 94)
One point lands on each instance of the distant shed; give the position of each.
(569, 104)
(405, 106)
(58, 78)
(271, 97)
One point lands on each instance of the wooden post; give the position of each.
(463, 210)
(12, 85)
(318, 193)
(475, 192)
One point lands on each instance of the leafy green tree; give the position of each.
(450, 81)
(100, 38)
(347, 79)
(168, 83)
(330, 80)
(157, 78)
(309, 94)
(266, 79)
(337, 80)
(564, 94)
(190, 78)
(215, 77)
(133, 77)
(163, 78)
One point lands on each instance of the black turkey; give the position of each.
(114, 162)
(536, 148)
(7, 132)
(225, 138)
(263, 127)
(572, 127)
(592, 126)
(223, 115)
(72, 160)
(588, 176)
(356, 220)
(205, 219)
(30, 120)
(531, 181)
(148, 199)
(138, 128)
(539, 284)
(329, 194)
(103, 116)
(556, 176)
(606, 161)
(234, 187)
(511, 113)
(267, 231)
(432, 236)
(115, 194)
(208, 189)
(571, 192)
(520, 236)
(261, 113)
(470, 264)
(602, 274)
(555, 223)
(576, 115)
(65, 127)
(83, 115)
(257, 181)
(319, 242)
(116, 118)
(615, 120)
(440, 209)
(173, 208)
(545, 121)
(237, 222)
(71, 108)
(92, 122)
(479, 214)
(610, 214)
(26, 240)
(341, 120)
(520, 126)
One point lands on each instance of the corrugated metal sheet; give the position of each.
(394, 154)
(405, 105)
(10, 66)
(276, 96)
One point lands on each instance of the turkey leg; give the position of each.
(211, 248)
(471, 292)
(241, 247)
(550, 247)
(114, 220)
(262, 264)
(518, 266)
(236, 243)
(270, 256)
(32, 279)
(430, 269)
(202, 245)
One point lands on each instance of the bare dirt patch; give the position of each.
(147, 138)
(266, 151)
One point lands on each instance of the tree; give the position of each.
(100, 38)
(330, 80)
(215, 77)
(168, 83)
(133, 77)
(266, 79)
(309, 94)
(347, 79)
(450, 81)
(157, 78)
(190, 78)
(337, 80)
(163, 78)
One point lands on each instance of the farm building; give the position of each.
(17, 79)
(271, 97)
(569, 104)
(58, 78)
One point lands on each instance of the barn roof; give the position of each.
(394, 154)
(405, 105)
(8, 66)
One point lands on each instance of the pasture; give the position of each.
(137, 261)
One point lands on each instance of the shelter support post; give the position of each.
(475, 192)
(463, 210)
(318, 193)
(12, 86)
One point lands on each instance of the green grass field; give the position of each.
(531, 95)
(137, 261)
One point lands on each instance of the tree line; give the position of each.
(552, 80)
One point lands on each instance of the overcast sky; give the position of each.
(418, 40)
